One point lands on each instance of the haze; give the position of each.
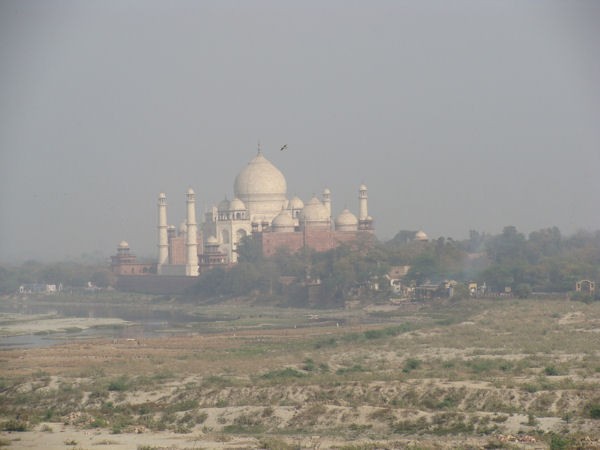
(457, 115)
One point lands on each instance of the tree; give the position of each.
(523, 290)
(507, 247)
(103, 278)
(249, 250)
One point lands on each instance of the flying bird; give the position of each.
(283, 148)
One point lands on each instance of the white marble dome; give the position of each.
(346, 221)
(262, 188)
(237, 205)
(212, 240)
(421, 236)
(314, 213)
(296, 203)
(123, 244)
(283, 222)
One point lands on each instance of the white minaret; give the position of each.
(362, 203)
(163, 240)
(327, 200)
(191, 244)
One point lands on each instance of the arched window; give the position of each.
(240, 234)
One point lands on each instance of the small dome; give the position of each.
(123, 244)
(283, 222)
(314, 211)
(171, 227)
(296, 203)
(237, 205)
(346, 220)
(162, 195)
(370, 218)
(182, 227)
(190, 191)
(362, 187)
(326, 191)
(421, 236)
(212, 241)
(223, 205)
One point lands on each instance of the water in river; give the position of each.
(144, 320)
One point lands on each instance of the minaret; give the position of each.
(327, 200)
(362, 203)
(191, 244)
(163, 240)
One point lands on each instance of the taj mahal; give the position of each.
(260, 209)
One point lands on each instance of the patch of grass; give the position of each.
(593, 410)
(119, 384)
(72, 330)
(309, 365)
(270, 443)
(411, 364)
(353, 369)
(558, 442)
(222, 403)
(323, 343)
(216, 381)
(106, 442)
(97, 423)
(286, 373)
(185, 405)
(14, 425)
(245, 423)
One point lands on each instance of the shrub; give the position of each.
(594, 410)
(275, 444)
(288, 372)
(558, 442)
(411, 364)
(119, 385)
(14, 425)
(309, 365)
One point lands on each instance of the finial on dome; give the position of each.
(259, 149)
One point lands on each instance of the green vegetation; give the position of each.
(71, 274)
(545, 261)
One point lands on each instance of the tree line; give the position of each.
(67, 273)
(543, 261)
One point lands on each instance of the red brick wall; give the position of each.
(318, 239)
(177, 250)
(273, 241)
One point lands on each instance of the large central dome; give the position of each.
(262, 187)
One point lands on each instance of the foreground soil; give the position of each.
(474, 374)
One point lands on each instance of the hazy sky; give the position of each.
(457, 115)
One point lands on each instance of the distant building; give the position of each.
(125, 263)
(586, 286)
(39, 288)
(261, 209)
